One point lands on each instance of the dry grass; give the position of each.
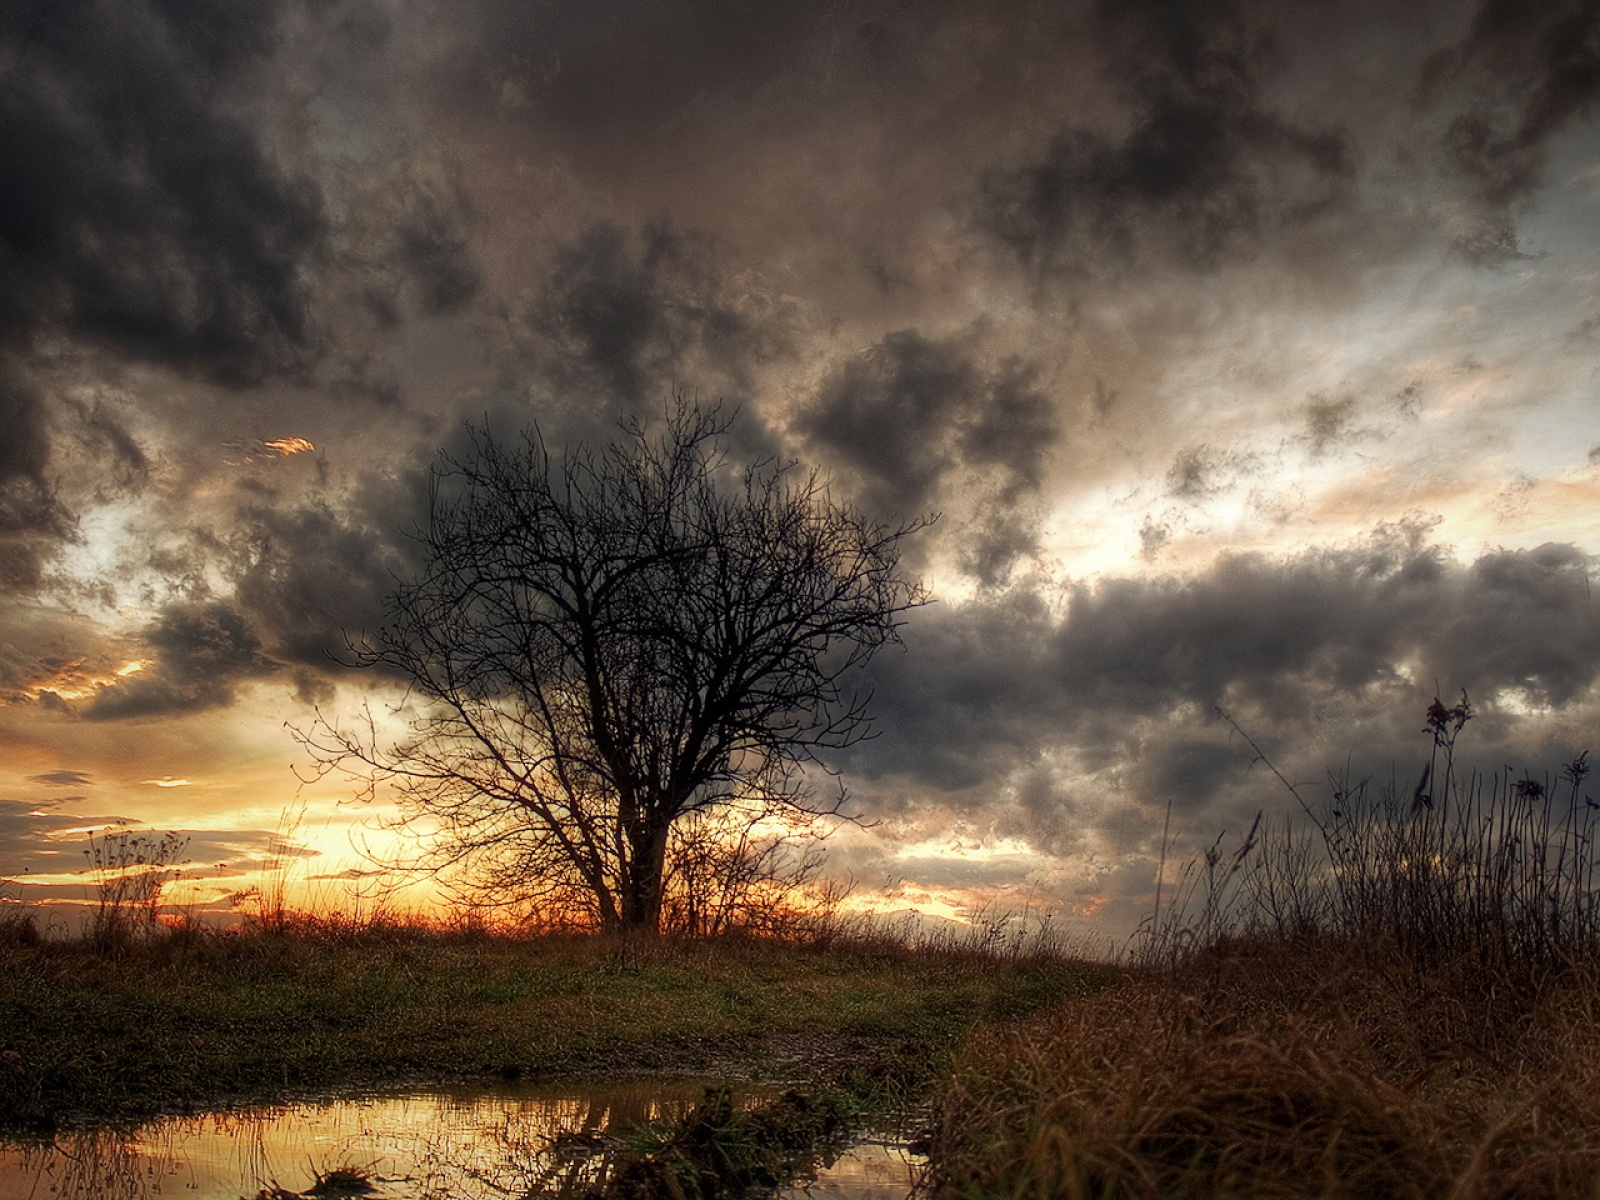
(1400, 997)
(1270, 1069)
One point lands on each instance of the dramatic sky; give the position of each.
(1247, 350)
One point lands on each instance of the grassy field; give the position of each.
(181, 1021)
(1261, 1065)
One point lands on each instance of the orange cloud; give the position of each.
(77, 681)
(273, 448)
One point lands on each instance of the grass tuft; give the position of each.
(721, 1149)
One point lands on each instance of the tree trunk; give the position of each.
(641, 890)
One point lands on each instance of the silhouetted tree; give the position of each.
(604, 644)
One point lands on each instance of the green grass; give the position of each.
(189, 1020)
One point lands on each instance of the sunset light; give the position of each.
(77, 681)
(287, 446)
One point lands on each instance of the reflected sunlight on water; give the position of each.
(872, 1169)
(451, 1145)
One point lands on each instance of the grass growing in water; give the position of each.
(722, 1149)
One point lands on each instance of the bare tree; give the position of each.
(604, 644)
(736, 868)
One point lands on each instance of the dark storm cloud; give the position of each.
(202, 653)
(970, 696)
(139, 212)
(311, 576)
(888, 413)
(991, 549)
(32, 520)
(612, 77)
(623, 317)
(25, 449)
(1265, 632)
(1520, 76)
(1130, 677)
(913, 408)
(1014, 429)
(1199, 166)
(435, 255)
(122, 462)
(1192, 767)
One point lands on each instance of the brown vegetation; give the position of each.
(1268, 1068)
(1401, 998)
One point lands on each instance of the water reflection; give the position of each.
(873, 1168)
(452, 1145)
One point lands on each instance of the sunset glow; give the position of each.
(77, 681)
(288, 446)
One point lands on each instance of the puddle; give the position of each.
(462, 1144)
(874, 1168)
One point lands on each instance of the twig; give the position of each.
(1262, 757)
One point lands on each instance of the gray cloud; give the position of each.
(990, 550)
(1329, 422)
(611, 88)
(1265, 632)
(1153, 536)
(62, 779)
(33, 521)
(142, 215)
(25, 451)
(888, 414)
(968, 698)
(1201, 472)
(434, 252)
(1130, 677)
(310, 575)
(105, 440)
(1518, 78)
(138, 213)
(1199, 166)
(914, 408)
(622, 317)
(39, 839)
(1031, 264)
(202, 652)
